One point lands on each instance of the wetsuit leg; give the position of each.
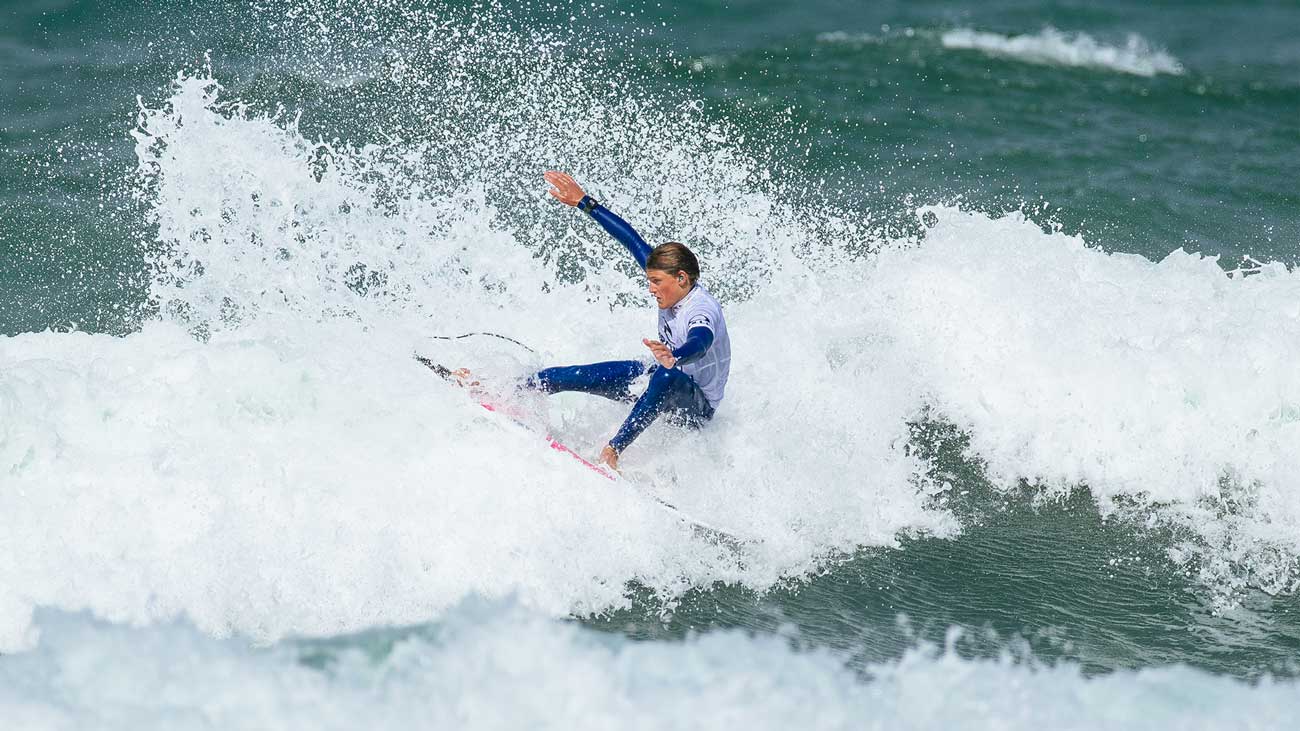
(610, 379)
(672, 392)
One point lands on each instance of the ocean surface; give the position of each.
(1011, 439)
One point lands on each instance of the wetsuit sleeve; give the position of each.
(698, 340)
(618, 228)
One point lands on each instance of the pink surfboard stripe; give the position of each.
(557, 446)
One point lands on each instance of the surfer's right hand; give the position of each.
(566, 189)
(609, 458)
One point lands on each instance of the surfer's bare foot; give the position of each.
(609, 458)
(464, 377)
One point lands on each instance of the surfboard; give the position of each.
(484, 399)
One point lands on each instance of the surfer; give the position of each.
(691, 358)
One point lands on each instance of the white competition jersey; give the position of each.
(699, 309)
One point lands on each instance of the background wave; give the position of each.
(1051, 46)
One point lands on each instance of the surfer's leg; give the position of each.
(670, 391)
(610, 379)
(688, 406)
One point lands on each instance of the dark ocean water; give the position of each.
(1157, 534)
(1197, 159)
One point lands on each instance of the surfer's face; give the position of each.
(668, 288)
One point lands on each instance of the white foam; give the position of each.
(1053, 47)
(499, 667)
(292, 470)
(295, 471)
(266, 487)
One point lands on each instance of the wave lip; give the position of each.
(1167, 383)
(1056, 48)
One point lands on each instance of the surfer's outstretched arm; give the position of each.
(567, 190)
(618, 228)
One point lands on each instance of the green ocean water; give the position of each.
(865, 107)
(1200, 159)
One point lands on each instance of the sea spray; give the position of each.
(309, 476)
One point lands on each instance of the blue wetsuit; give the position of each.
(670, 391)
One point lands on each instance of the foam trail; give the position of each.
(262, 487)
(324, 482)
(500, 667)
(1053, 47)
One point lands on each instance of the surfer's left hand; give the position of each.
(565, 189)
(661, 353)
